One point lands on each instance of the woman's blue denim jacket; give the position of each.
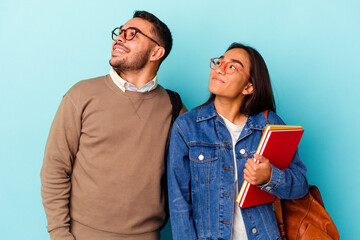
(201, 188)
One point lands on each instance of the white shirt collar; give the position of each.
(126, 86)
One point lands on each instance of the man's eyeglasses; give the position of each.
(229, 67)
(130, 33)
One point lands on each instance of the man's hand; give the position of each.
(257, 174)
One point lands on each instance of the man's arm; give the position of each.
(60, 152)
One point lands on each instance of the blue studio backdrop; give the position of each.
(311, 49)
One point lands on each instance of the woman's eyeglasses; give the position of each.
(229, 67)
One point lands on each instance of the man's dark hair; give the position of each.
(262, 98)
(160, 29)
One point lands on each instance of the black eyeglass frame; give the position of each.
(131, 38)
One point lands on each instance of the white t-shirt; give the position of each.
(238, 228)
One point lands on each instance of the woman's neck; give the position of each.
(230, 110)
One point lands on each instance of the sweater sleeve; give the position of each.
(60, 152)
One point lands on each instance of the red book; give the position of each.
(278, 144)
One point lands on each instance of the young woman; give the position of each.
(211, 151)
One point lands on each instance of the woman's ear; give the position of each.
(157, 53)
(248, 89)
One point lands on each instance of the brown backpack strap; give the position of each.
(316, 194)
(266, 114)
(279, 217)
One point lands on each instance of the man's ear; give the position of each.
(157, 53)
(248, 89)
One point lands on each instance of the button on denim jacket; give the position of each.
(201, 177)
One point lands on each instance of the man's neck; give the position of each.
(137, 78)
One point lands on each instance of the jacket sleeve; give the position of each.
(179, 180)
(60, 152)
(290, 183)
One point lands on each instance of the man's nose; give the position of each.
(120, 37)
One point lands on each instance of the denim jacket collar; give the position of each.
(208, 111)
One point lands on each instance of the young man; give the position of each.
(104, 158)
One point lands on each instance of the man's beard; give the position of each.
(138, 62)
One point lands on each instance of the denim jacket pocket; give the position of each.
(203, 162)
(246, 155)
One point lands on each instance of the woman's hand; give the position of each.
(257, 174)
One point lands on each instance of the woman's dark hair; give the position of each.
(262, 98)
(160, 30)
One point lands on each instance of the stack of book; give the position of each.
(278, 144)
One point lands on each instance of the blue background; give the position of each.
(311, 48)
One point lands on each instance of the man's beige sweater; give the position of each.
(104, 160)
